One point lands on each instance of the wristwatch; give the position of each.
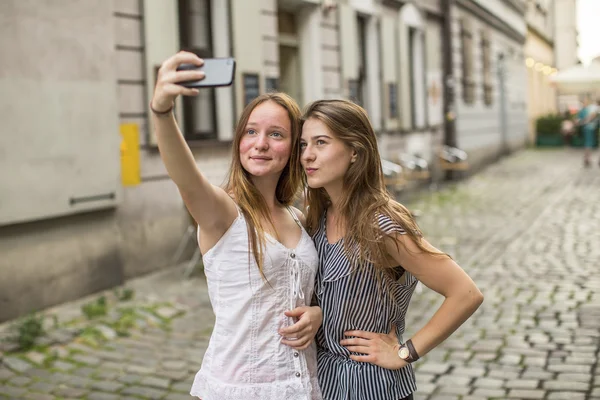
(407, 352)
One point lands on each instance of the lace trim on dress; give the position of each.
(288, 390)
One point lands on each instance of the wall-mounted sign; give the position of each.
(272, 84)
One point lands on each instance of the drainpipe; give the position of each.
(449, 80)
(448, 73)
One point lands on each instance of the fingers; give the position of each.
(173, 90)
(299, 343)
(183, 57)
(304, 333)
(359, 349)
(296, 312)
(182, 76)
(367, 358)
(166, 89)
(299, 326)
(361, 334)
(355, 342)
(179, 76)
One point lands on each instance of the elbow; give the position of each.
(469, 298)
(475, 297)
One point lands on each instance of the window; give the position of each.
(393, 100)
(290, 78)
(361, 83)
(412, 68)
(486, 68)
(412, 56)
(416, 54)
(195, 36)
(468, 85)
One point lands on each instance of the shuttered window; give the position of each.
(468, 84)
(486, 68)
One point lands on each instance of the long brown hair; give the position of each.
(365, 196)
(239, 183)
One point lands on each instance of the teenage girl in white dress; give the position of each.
(259, 261)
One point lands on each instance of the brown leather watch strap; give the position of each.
(413, 352)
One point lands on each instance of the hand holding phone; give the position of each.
(217, 72)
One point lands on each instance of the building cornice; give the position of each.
(491, 19)
(539, 34)
(393, 3)
(519, 6)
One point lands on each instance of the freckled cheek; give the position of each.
(245, 146)
(283, 150)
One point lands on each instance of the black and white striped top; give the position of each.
(358, 300)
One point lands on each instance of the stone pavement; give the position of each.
(526, 229)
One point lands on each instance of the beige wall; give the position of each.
(542, 98)
(55, 260)
(565, 46)
(49, 261)
(58, 109)
(482, 130)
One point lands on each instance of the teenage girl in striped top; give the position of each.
(371, 255)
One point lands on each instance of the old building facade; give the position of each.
(490, 78)
(70, 223)
(540, 60)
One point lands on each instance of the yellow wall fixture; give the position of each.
(130, 155)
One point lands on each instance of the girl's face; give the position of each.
(266, 145)
(324, 157)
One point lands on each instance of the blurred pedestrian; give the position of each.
(259, 261)
(372, 255)
(567, 128)
(587, 120)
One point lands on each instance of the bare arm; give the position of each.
(444, 276)
(210, 206)
(440, 274)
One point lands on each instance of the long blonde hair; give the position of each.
(239, 183)
(365, 196)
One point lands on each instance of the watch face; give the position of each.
(403, 353)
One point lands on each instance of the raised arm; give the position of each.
(210, 206)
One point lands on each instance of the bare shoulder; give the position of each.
(300, 216)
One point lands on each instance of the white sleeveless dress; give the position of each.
(245, 359)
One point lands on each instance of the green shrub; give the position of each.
(548, 125)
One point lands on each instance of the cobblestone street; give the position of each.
(526, 229)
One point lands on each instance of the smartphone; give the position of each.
(217, 71)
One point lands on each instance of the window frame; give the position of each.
(466, 39)
(185, 37)
(486, 68)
